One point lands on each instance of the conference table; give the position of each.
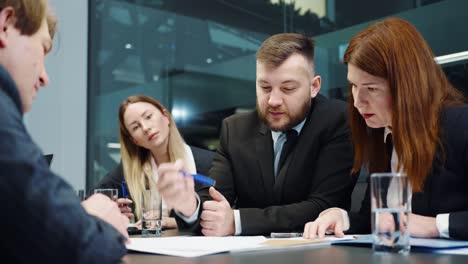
(297, 254)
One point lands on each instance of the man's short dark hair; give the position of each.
(278, 48)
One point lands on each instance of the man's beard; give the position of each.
(294, 120)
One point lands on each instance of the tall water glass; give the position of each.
(151, 214)
(113, 194)
(390, 212)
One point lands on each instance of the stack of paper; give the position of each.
(296, 241)
(195, 246)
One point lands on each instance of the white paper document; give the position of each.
(278, 243)
(195, 246)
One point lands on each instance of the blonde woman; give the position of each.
(148, 137)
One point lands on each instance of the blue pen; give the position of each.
(124, 190)
(200, 178)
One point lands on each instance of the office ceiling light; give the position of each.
(452, 57)
(179, 113)
(113, 145)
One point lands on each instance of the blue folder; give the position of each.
(418, 244)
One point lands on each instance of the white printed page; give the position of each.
(193, 246)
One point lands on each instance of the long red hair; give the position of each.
(393, 49)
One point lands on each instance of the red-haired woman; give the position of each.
(397, 88)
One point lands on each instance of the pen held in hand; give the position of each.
(124, 190)
(200, 178)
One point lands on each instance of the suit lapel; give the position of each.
(264, 149)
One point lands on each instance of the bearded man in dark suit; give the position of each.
(279, 166)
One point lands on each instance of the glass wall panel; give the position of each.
(198, 57)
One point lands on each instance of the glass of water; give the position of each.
(390, 213)
(151, 213)
(113, 194)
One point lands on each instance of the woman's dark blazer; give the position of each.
(446, 188)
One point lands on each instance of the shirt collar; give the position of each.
(275, 134)
(387, 131)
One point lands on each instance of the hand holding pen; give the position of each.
(177, 188)
(200, 178)
(124, 202)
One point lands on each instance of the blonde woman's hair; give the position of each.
(136, 160)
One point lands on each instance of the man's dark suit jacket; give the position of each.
(316, 175)
(42, 217)
(445, 189)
